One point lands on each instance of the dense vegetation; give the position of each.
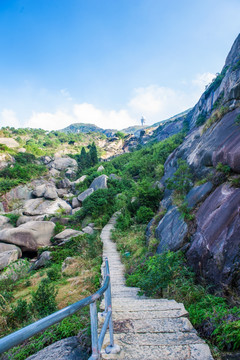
(41, 292)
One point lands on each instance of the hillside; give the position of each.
(178, 189)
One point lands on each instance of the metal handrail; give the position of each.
(25, 333)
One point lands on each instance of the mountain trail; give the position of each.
(144, 328)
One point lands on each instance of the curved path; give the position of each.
(147, 329)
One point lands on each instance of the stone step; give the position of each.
(163, 325)
(166, 352)
(156, 314)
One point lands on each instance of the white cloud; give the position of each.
(84, 113)
(202, 80)
(9, 118)
(154, 102)
(50, 121)
(158, 103)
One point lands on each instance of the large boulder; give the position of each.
(50, 193)
(29, 236)
(8, 247)
(66, 349)
(39, 190)
(84, 195)
(7, 257)
(215, 249)
(3, 220)
(41, 206)
(75, 203)
(171, 231)
(99, 183)
(24, 219)
(67, 234)
(62, 164)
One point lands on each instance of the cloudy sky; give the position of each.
(109, 62)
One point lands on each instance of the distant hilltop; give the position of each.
(133, 130)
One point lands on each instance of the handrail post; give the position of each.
(108, 306)
(94, 331)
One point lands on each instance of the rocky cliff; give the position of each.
(210, 239)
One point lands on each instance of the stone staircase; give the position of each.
(147, 329)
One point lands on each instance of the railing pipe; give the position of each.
(25, 333)
(94, 330)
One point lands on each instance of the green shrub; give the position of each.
(54, 273)
(223, 168)
(20, 313)
(44, 299)
(13, 218)
(58, 228)
(124, 220)
(182, 178)
(201, 119)
(144, 215)
(237, 120)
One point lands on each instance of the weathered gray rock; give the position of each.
(158, 185)
(63, 163)
(41, 206)
(75, 210)
(29, 236)
(198, 193)
(171, 231)
(55, 173)
(16, 270)
(43, 260)
(50, 193)
(80, 180)
(84, 195)
(215, 249)
(9, 247)
(66, 349)
(62, 192)
(88, 230)
(64, 183)
(70, 173)
(6, 160)
(114, 177)
(46, 159)
(3, 220)
(24, 219)
(67, 234)
(75, 203)
(9, 142)
(99, 183)
(39, 190)
(7, 257)
(100, 168)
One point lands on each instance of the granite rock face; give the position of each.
(215, 249)
(66, 349)
(198, 193)
(171, 231)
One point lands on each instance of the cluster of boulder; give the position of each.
(39, 200)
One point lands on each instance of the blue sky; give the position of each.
(109, 61)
